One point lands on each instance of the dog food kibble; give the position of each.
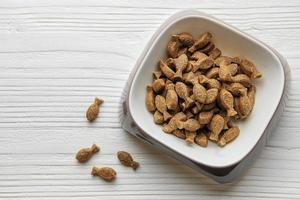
(197, 92)
(106, 173)
(85, 154)
(127, 160)
(93, 111)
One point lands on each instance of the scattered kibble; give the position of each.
(127, 160)
(197, 93)
(106, 173)
(93, 110)
(85, 154)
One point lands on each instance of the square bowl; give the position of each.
(232, 42)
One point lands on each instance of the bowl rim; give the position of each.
(161, 30)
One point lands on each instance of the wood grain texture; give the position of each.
(56, 56)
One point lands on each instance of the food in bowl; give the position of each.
(197, 93)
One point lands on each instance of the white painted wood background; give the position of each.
(56, 56)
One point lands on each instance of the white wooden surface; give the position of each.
(56, 56)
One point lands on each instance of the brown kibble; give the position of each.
(160, 103)
(225, 72)
(199, 92)
(233, 69)
(180, 65)
(242, 79)
(150, 99)
(187, 77)
(158, 117)
(171, 97)
(211, 95)
(166, 70)
(234, 88)
(203, 61)
(249, 68)
(215, 53)
(106, 173)
(201, 139)
(161, 106)
(158, 85)
(213, 83)
(213, 72)
(173, 46)
(182, 91)
(85, 154)
(216, 126)
(190, 137)
(205, 117)
(225, 59)
(186, 39)
(189, 125)
(126, 159)
(226, 101)
(201, 42)
(93, 110)
(210, 83)
(244, 104)
(228, 136)
(172, 125)
(209, 47)
(179, 133)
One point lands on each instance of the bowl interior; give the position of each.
(233, 43)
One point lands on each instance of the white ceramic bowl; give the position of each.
(232, 42)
